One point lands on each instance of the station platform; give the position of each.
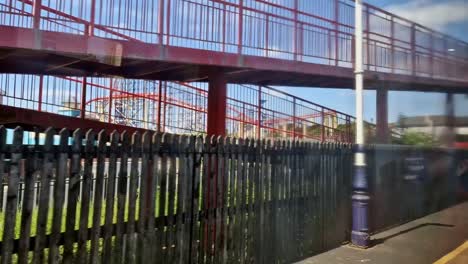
(440, 238)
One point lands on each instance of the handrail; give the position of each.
(297, 19)
(238, 110)
(412, 22)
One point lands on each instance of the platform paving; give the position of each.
(422, 241)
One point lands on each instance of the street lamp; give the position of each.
(360, 235)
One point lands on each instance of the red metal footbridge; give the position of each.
(121, 60)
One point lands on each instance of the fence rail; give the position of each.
(172, 198)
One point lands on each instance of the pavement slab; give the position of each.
(425, 240)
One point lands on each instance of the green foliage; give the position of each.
(418, 139)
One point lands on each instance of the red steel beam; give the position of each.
(382, 115)
(217, 99)
(90, 28)
(37, 5)
(83, 98)
(241, 26)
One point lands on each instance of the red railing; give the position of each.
(319, 31)
(252, 111)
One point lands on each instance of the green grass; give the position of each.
(34, 218)
(34, 215)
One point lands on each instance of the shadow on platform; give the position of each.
(422, 241)
(378, 241)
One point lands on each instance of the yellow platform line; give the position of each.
(450, 256)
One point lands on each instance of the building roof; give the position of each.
(433, 121)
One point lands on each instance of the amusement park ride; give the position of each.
(177, 107)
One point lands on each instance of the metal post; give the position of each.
(243, 120)
(337, 21)
(431, 63)
(413, 50)
(111, 93)
(353, 51)
(41, 89)
(217, 99)
(392, 43)
(37, 14)
(92, 18)
(301, 42)
(322, 129)
(360, 235)
(267, 29)
(349, 138)
(446, 55)
(382, 114)
(450, 112)
(295, 38)
(329, 50)
(294, 118)
(145, 110)
(159, 105)
(449, 142)
(368, 41)
(83, 98)
(168, 22)
(163, 126)
(241, 27)
(161, 22)
(259, 114)
(224, 29)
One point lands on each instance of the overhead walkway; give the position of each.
(295, 43)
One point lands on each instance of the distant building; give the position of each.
(70, 108)
(436, 126)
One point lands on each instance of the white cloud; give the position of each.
(433, 14)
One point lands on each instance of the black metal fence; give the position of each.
(172, 199)
(114, 198)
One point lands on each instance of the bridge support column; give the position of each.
(217, 98)
(449, 138)
(216, 126)
(382, 115)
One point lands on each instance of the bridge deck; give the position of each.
(293, 43)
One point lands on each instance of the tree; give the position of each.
(418, 139)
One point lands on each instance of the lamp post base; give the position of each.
(360, 235)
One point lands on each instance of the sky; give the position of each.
(447, 16)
